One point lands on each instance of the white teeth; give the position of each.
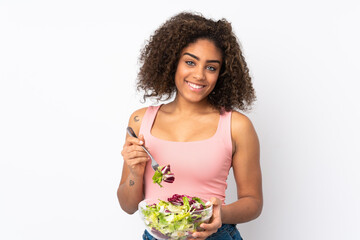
(195, 86)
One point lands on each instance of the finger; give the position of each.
(201, 235)
(134, 151)
(215, 201)
(136, 161)
(141, 137)
(133, 140)
(134, 148)
(213, 226)
(215, 223)
(137, 154)
(198, 238)
(208, 230)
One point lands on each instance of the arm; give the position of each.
(130, 191)
(247, 173)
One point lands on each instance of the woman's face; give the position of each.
(198, 70)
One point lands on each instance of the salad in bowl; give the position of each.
(177, 218)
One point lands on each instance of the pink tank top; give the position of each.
(201, 167)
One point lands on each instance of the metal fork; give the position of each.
(154, 164)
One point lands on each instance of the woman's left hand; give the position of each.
(215, 221)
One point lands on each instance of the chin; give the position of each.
(195, 100)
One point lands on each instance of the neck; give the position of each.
(184, 107)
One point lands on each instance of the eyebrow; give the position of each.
(197, 58)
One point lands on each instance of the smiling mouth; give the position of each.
(193, 85)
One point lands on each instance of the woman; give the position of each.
(200, 133)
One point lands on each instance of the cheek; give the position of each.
(181, 72)
(178, 77)
(213, 78)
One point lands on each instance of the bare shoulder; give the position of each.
(240, 123)
(244, 137)
(136, 119)
(242, 130)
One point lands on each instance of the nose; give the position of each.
(199, 73)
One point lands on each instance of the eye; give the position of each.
(190, 63)
(211, 68)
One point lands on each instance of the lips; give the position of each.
(195, 86)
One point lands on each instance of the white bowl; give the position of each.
(173, 228)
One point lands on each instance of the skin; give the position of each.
(199, 64)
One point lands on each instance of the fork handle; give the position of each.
(131, 132)
(146, 150)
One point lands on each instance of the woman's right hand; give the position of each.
(134, 155)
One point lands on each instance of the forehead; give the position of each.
(204, 49)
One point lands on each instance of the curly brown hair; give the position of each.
(160, 56)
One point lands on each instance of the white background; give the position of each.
(67, 88)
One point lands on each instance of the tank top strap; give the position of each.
(224, 130)
(148, 119)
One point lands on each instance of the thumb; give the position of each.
(141, 137)
(214, 201)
